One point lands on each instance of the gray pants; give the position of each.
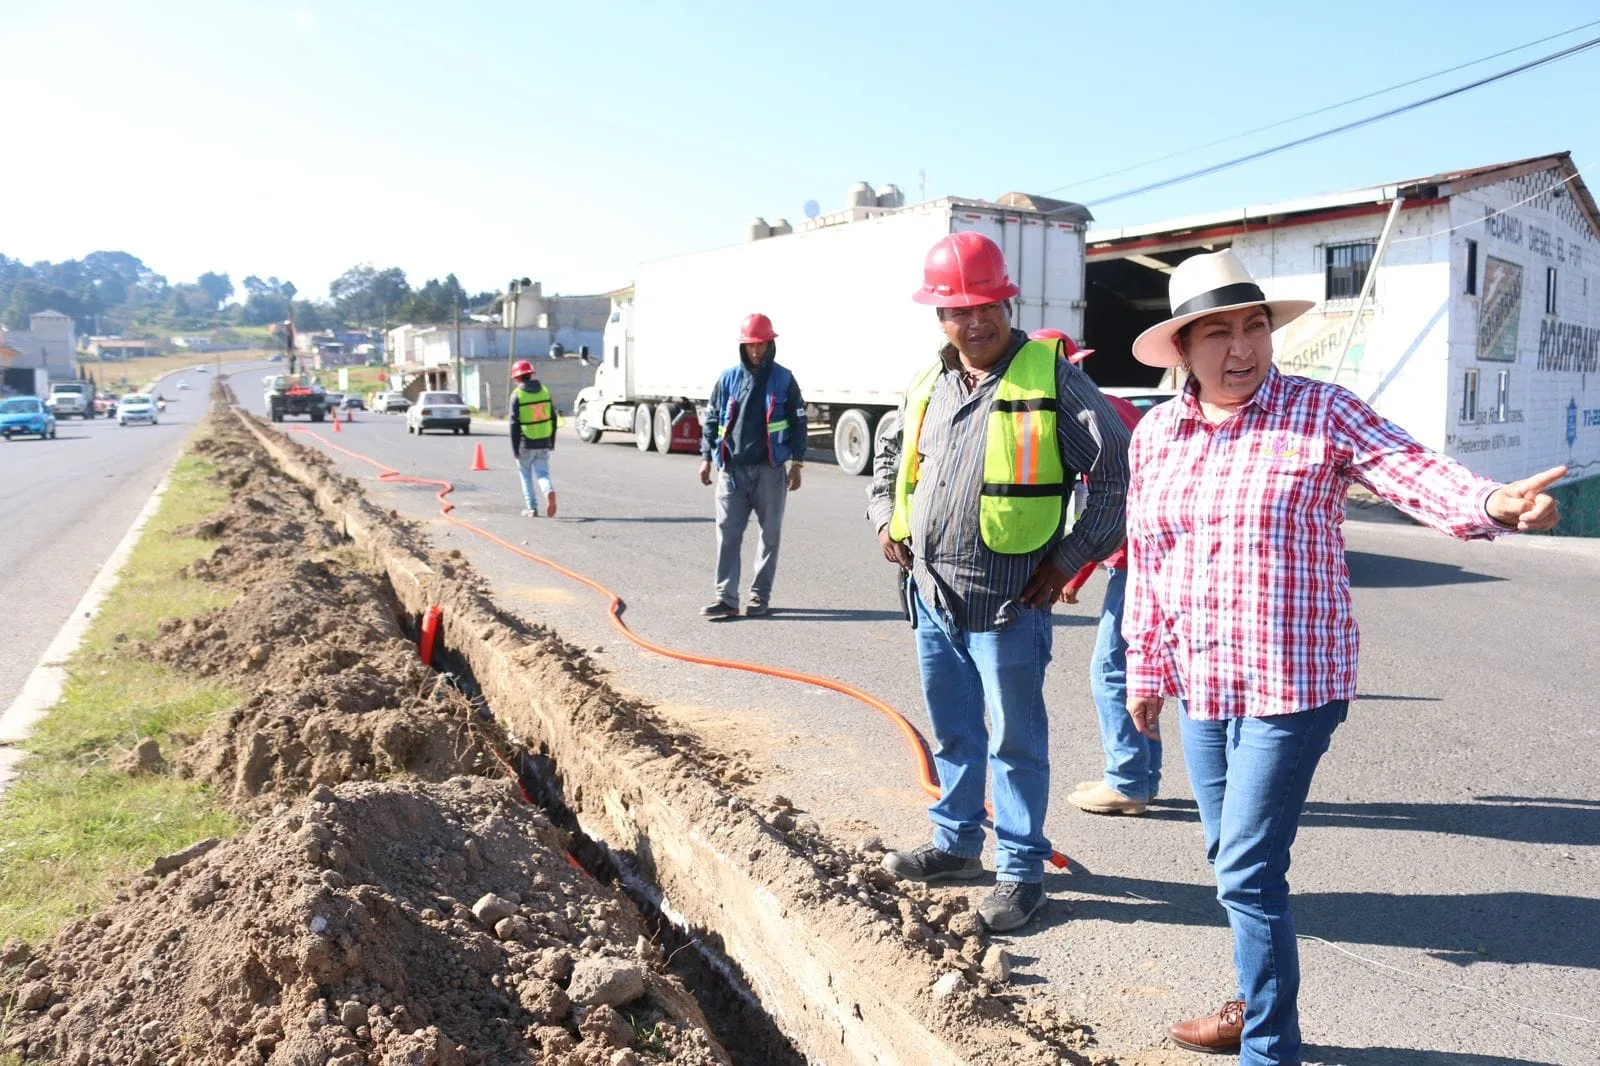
(741, 490)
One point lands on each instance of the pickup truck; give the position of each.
(71, 398)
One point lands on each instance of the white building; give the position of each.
(1481, 330)
(50, 341)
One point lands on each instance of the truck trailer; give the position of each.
(838, 291)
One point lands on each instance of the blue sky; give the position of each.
(568, 141)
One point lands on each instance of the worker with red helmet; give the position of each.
(533, 437)
(969, 499)
(754, 432)
(1132, 774)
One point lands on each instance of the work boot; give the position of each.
(550, 503)
(1215, 1032)
(930, 863)
(529, 512)
(719, 611)
(756, 606)
(1010, 905)
(1101, 798)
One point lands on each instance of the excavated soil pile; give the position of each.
(403, 924)
(340, 693)
(383, 908)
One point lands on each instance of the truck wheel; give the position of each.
(586, 430)
(852, 441)
(644, 437)
(316, 416)
(663, 423)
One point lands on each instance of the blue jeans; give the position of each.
(962, 672)
(1133, 761)
(534, 463)
(1250, 778)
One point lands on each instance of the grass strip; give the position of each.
(72, 828)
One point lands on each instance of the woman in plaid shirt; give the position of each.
(1238, 600)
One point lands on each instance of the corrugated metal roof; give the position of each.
(1434, 186)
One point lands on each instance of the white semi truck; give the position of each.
(838, 292)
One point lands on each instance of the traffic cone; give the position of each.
(336, 428)
(477, 459)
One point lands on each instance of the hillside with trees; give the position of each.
(117, 293)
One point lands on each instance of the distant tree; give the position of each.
(369, 296)
(29, 296)
(218, 286)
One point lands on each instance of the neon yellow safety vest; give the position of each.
(1024, 479)
(535, 412)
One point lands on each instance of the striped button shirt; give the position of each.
(973, 588)
(1238, 598)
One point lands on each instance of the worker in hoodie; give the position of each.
(533, 435)
(755, 433)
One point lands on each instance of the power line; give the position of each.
(1318, 111)
(1346, 127)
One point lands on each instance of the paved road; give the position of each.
(65, 505)
(1453, 833)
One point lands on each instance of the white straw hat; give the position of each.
(1205, 285)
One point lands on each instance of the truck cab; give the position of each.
(71, 398)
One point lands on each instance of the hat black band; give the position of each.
(1244, 292)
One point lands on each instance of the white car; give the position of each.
(439, 410)
(136, 407)
(385, 402)
(183, 384)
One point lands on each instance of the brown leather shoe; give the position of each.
(1214, 1032)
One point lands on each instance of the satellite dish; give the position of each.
(812, 209)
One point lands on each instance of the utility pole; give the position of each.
(514, 290)
(461, 384)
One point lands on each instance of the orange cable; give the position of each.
(919, 746)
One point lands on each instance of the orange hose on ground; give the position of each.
(919, 747)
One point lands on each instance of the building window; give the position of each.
(616, 355)
(1502, 402)
(1469, 397)
(1550, 290)
(1347, 266)
(1472, 268)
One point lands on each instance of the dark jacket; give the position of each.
(747, 443)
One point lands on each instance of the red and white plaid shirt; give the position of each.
(1238, 595)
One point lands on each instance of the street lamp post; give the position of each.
(514, 290)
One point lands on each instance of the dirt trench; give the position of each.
(344, 722)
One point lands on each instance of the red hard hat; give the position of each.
(521, 368)
(756, 328)
(1075, 354)
(965, 270)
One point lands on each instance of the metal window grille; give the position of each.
(1347, 266)
(1550, 290)
(1502, 403)
(1469, 396)
(1472, 268)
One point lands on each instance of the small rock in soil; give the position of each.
(145, 758)
(997, 964)
(605, 982)
(949, 986)
(965, 925)
(491, 909)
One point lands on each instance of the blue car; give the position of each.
(26, 415)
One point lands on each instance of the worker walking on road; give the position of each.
(969, 498)
(755, 433)
(533, 437)
(1132, 775)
